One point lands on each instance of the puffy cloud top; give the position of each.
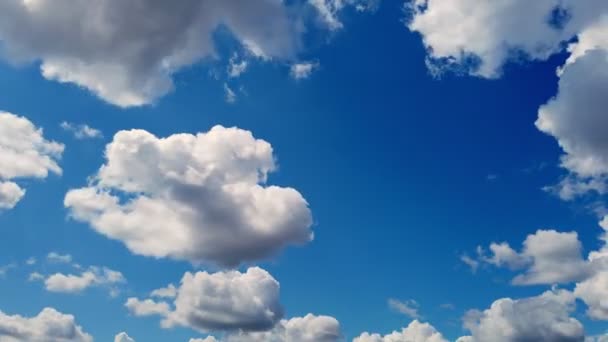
(222, 301)
(198, 197)
(414, 332)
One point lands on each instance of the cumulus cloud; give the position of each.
(123, 337)
(414, 332)
(127, 51)
(82, 131)
(48, 326)
(310, 328)
(24, 153)
(198, 197)
(542, 318)
(222, 301)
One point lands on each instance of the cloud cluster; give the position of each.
(222, 301)
(550, 257)
(200, 198)
(480, 38)
(48, 326)
(24, 153)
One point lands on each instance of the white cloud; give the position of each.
(24, 153)
(81, 132)
(414, 332)
(72, 283)
(123, 337)
(222, 301)
(48, 326)
(548, 257)
(542, 318)
(127, 51)
(35, 276)
(409, 308)
(309, 328)
(55, 257)
(480, 37)
(199, 197)
(303, 70)
(31, 261)
(10, 195)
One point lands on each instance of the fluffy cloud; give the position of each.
(225, 301)
(123, 337)
(198, 197)
(481, 37)
(542, 318)
(71, 283)
(548, 257)
(127, 51)
(414, 332)
(309, 328)
(48, 326)
(24, 153)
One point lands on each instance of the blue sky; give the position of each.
(404, 172)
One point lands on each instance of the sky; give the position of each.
(303, 171)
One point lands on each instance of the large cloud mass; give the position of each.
(126, 51)
(24, 153)
(198, 197)
(222, 301)
(48, 326)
